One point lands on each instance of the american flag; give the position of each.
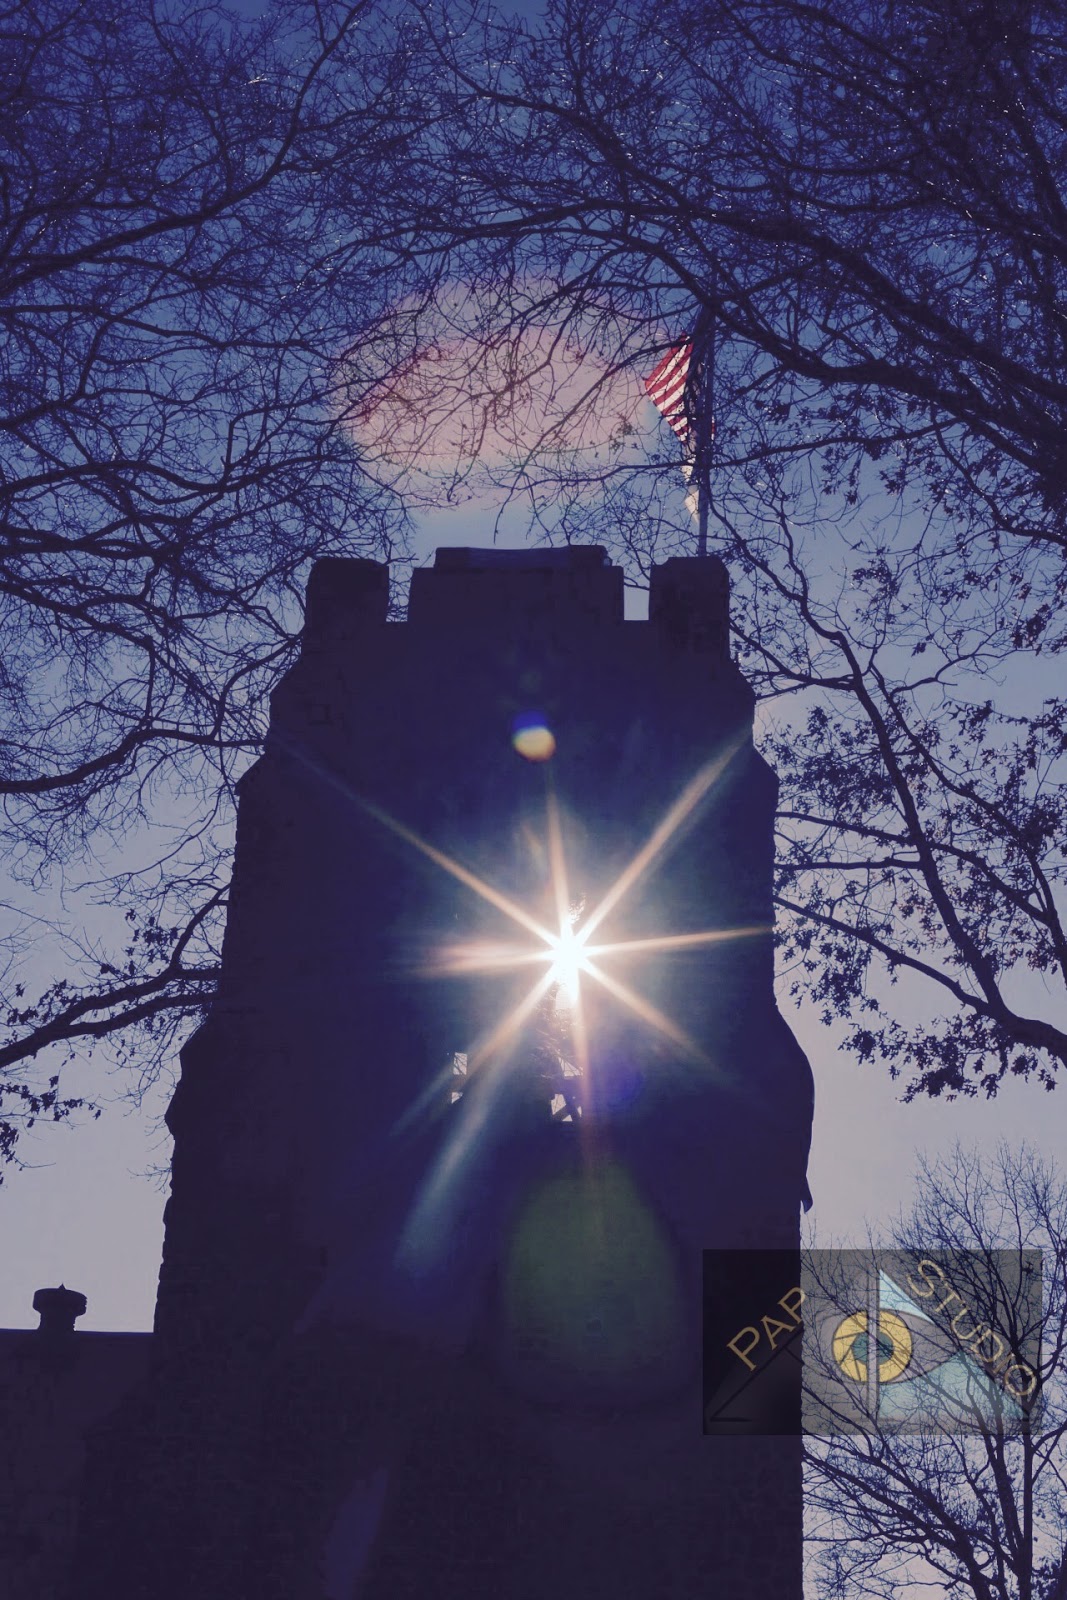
(666, 388)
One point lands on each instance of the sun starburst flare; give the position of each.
(567, 953)
(568, 957)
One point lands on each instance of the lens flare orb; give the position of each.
(591, 1305)
(532, 737)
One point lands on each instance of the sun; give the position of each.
(568, 956)
(560, 953)
(563, 950)
(568, 962)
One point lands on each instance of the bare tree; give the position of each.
(866, 205)
(173, 296)
(226, 243)
(980, 1513)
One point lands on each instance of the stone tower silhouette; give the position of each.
(424, 1330)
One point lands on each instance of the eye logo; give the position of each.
(851, 1346)
(928, 1350)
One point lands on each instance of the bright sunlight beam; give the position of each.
(568, 954)
(567, 957)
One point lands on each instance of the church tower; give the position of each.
(495, 1057)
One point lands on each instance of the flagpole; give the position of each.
(703, 423)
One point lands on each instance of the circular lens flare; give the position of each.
(532, 737)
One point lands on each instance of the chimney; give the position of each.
(58, 1309)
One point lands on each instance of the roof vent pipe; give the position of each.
(58, 1309)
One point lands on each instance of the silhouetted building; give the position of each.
(57, 1387)
(429, 1309)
